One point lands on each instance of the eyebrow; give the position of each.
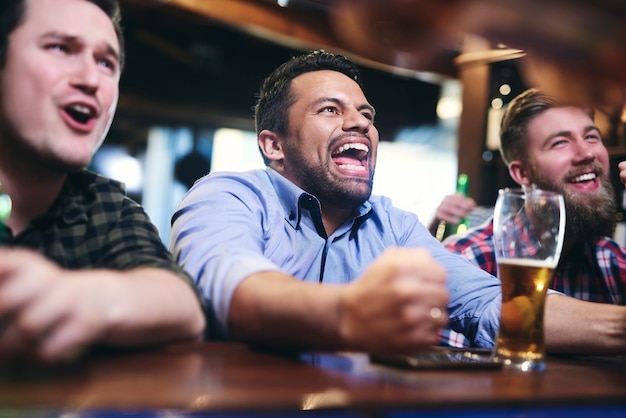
(77, 39)
(586, 130)
(365, 106)
(368, 107)
(591, 128)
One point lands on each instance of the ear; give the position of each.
(519, 173)
(270, 145)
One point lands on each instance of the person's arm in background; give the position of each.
(622, 172)
(452, 209)
(576, 326)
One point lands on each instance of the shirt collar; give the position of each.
(65, 206)
(289, 196)
(79, 189)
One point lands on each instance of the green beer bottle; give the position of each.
(445, 229)
(5, 205)
(5, 212)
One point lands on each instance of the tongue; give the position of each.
(346, 160)
(79, 117)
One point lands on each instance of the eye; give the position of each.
(369, 116)
(330, 109)
(58, 47)
(558, 142)
(108, 64)
(593, 137)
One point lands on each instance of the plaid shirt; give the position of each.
(594, 272)
(93, 224)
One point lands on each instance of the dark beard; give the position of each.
(586, 219)
(336, 192)
(321, 183)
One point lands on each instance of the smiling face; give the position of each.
(330, 146)
(565, 149)
(566, 154)
(59, 87)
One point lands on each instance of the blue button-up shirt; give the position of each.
(231, 225)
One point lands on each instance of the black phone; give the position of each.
(441, 358)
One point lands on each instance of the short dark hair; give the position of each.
(517, 115)
(275, 97)
(12, 13)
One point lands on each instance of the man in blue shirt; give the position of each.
(301, 255)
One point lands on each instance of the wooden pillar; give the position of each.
(474, 77)
(474, 64)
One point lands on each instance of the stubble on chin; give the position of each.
(346, 193)
(323, 182)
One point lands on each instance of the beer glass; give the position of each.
(528, 227)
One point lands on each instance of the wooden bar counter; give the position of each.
(227, 379)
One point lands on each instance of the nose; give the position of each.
(584, 151)
(86, 75)
(356, 120)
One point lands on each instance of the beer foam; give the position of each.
(549, 262)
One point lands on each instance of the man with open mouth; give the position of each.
(80, 263)
(302, 255)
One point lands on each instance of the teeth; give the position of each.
(81, 109)
(585, 177)
(356, 145)
(351, 167)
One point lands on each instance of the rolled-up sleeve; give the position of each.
(475, 295)
(475, 301)
(218, 237)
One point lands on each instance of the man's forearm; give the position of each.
(151, 306)
(273, 308)
(575, 326)
(386, 310)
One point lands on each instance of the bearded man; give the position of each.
(558, 147)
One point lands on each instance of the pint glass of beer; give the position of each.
(529, 226)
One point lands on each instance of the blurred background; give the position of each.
(438, 72)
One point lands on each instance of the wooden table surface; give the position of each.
(211, 379)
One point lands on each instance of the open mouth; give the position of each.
(351, 156)
(584, 178)
(79, 113)
(585, 182)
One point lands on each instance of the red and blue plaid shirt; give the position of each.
(592, 271)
